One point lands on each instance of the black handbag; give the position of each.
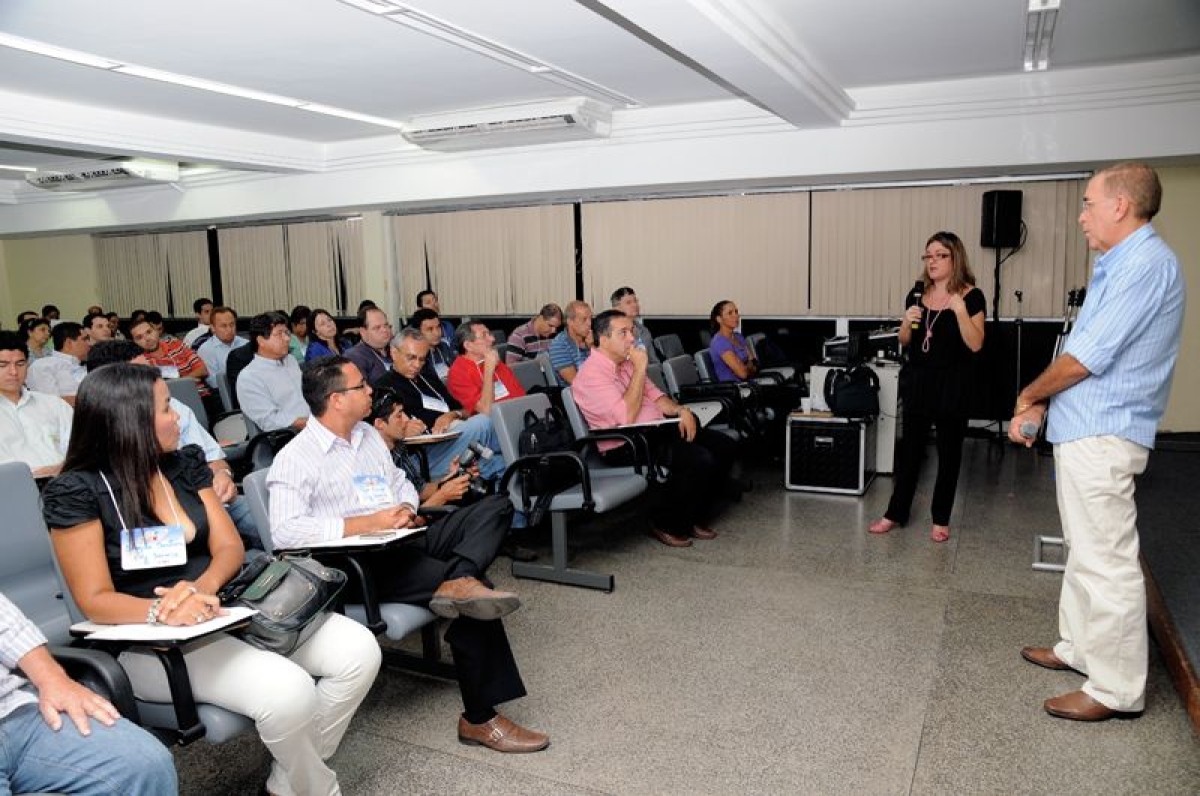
(547, 477)
(292, 594)
(853, 392)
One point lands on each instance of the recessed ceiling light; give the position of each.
(59, 53)
(1040, 20)
(16, 168)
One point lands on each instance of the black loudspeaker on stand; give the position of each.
(1000, 227)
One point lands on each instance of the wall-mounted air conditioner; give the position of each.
(556, 121)
(105, 174)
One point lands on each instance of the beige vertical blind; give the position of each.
(507, 261)
(185, 256)
(132, 274)
(867, 245)
(684, 255)
(254, 274)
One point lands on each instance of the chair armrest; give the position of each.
(351, 563)
(99, 671)
(532, 461)
(636, 440)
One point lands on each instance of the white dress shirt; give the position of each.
(214, 352)
(57, 374)
(34, 430)
(312, 483)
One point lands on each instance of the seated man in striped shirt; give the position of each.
(534, 336)
(337, 479)
(175, 361)
(570, 349)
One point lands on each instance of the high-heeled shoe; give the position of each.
(940, 533)
(882, 525)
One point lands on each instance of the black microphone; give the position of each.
(917, 291)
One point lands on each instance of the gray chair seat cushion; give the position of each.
(401, 618)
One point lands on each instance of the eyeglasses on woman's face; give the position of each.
(928, 258)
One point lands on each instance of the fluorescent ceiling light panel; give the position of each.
(16, 168)
(188, 81)
(1040, 21)
(59, 53)
(416, 19)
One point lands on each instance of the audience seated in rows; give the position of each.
(34, 427)
(35, 331)
(174, 360)
(478, 378)
(124, 470)
(60, 373)
(268, 389)
(298, 320)
(535, 335)
(94, 750)
(431, 406)
(203, 308)
(441, 350)
(571, 348)
(611, 389)
(337, 478)
(324, 339)
(216, 349)
(428, 300)
(626, 300)
(371, 352)
(97, 327)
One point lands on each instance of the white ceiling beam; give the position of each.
(751, 50)
(44, 122)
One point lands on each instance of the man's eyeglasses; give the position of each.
(928, 258)
(360, 386)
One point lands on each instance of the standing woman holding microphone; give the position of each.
(942, 330)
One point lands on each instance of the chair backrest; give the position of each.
(508, 418)
(752, 341)
(529, 373)
(654, 372)
(228, 399)
(500, 335)
(231, 429)
(579, 426)
(669, 345)
(27, 574)
(704, 365)
(548, 376)
(264, 446)
(680, 372)
(258, 496)
(186, 392)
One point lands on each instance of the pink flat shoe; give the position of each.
(882, 525)
(940, 533)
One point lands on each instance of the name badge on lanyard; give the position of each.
(373, 490)
(441, 369)
(434, 403)
(499, 391)
(153, 547)
(168, 371)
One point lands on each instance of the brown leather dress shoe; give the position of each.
(503, 735)
(470, 598)
(1044, 657)
(1078, 706)
(670, 539)
(703, 533)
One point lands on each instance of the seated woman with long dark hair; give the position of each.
(323, 337)
(142, 537)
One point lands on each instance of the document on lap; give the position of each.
(427, 439)
(95, 631)
(370, 539)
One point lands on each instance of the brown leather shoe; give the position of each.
(469, 597)
(699, 532)
(1044, 657)
(670, 539)
(503, 735)
(1078, 706)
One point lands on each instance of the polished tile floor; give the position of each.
(795, 654)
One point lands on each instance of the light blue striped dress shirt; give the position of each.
(1127, 336)
(18, 637)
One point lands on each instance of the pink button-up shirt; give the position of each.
(599, 391)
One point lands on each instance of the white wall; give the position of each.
(1177, 225)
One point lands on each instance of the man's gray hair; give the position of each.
(407, 333)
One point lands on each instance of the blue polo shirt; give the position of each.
(565, 354)
(1127, 336)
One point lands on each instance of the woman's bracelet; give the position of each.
(152, 614)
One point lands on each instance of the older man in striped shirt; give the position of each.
(1106, 394)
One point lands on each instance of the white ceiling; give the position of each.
(811, 63)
